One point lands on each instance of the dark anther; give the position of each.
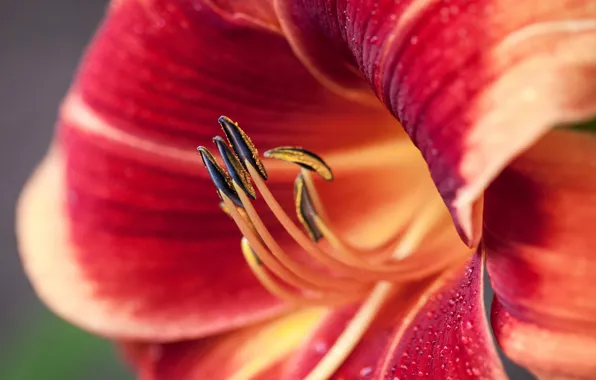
(302, 157)
(235, 169)
(242, 145)
(305, 209)
(220, 178)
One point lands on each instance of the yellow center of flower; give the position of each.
(339, 272)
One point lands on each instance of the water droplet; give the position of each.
(321, 347)
(469, 325)
(366, 371)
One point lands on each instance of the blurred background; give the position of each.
(40, 44)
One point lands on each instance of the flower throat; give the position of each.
(349, 273)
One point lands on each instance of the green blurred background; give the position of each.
(40, 42)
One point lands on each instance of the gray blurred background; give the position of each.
(40, 44)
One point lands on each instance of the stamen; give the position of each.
(338, 266)
(220, 178)
(380, 253)
(297, 280)
(353, 333)
(306, 210)
(242, 145)
(256, 266)
(278, 290)
(351, 272)
(302, 157)
(235, 168)
(322, 280)
(314, 194)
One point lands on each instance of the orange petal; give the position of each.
(472, 82)
(539, 218)
(251, 353)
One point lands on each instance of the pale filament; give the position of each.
(341, 263)
(297, 299)
(278, 252)
(386, 250)
(296, 277)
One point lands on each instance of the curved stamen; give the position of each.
(298, 278)
(381, 252)
(350, 273)
(328, 299)
(314, 194)
(334, 263)
(339, 262)
(334, 282)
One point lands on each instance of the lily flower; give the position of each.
(443, 127)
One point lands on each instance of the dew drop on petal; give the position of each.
(366, 371)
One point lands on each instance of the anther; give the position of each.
(302, 157)
(220, 178)
(247, 249)
(235, 168)
(242, 145)
(305, 209)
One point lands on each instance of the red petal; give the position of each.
(363, 362)
(251, 353)
(539, 218)
(437, 331)
(473, 82)
(446, 336)
(120, 230)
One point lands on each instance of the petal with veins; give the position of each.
(474, 83)
(120, 229)
(445, 335)
(256, 352)
(541, 251)
(435, 329)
